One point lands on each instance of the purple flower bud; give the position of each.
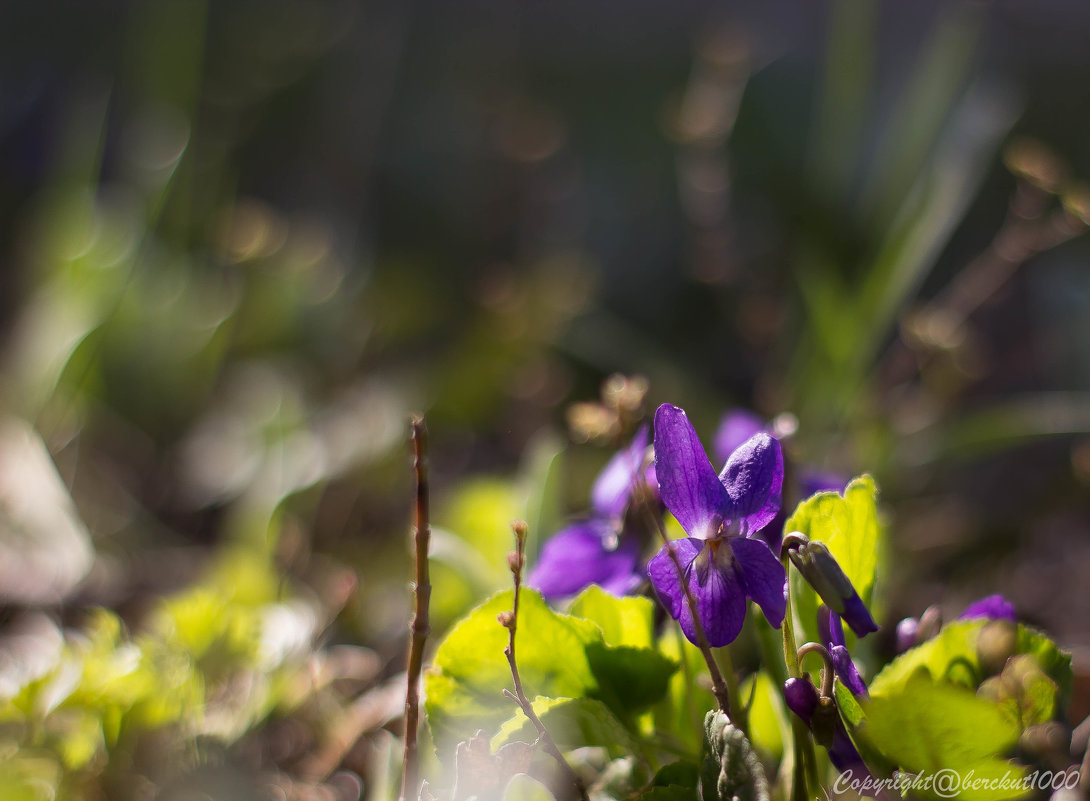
(822, 572)
(801, 697)
(906, 634)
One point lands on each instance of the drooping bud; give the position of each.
(802, 698)
(820, 569)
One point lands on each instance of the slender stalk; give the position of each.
(516, 561)
(740, 718)
(420, 626)
(805, 759)
(719, 686)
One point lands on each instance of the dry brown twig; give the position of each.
(410, 777)
(509, 620)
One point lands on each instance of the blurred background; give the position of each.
(242, 241)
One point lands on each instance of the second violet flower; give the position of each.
(722, 561)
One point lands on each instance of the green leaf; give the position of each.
(850, 709)
(629, 679)
(848, 525)
(624, 621)
(464, 688)
(631, 674)
(951, 654)
(1024, 693)
(669, 792)
(730, 769)
(679, 774)
(929, 726)
(678, 714)
(572, 723)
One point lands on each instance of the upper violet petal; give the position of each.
(764, 577)
(615, 483)
(578, 556)
(753, 478)
(993, 607)
(688, 484)
(736, 427)
(664, 577)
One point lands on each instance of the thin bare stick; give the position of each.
(719, 686)
(516, 561)
(418, 632)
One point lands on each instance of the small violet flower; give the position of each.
(993, 607)
(915, 631)
(722, 562)
(592, 550)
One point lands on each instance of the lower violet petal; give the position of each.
(663, 573)
(720, 601)
(764, 577)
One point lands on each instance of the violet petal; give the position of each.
(993, 607)
(846, 671)
(663, 573)
(615, 483)
(764, 577)
(857, 616)
(753, 478)
(688, 485)
(720, 602)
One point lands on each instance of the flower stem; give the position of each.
(516, 561)
(420, 626)
(719, 686)
(739, 719)
(805, 759)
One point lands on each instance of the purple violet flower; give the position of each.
(592, 550)
(914, 631)
(722, 562)
(993, 607)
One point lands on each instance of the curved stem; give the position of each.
(828, 673)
